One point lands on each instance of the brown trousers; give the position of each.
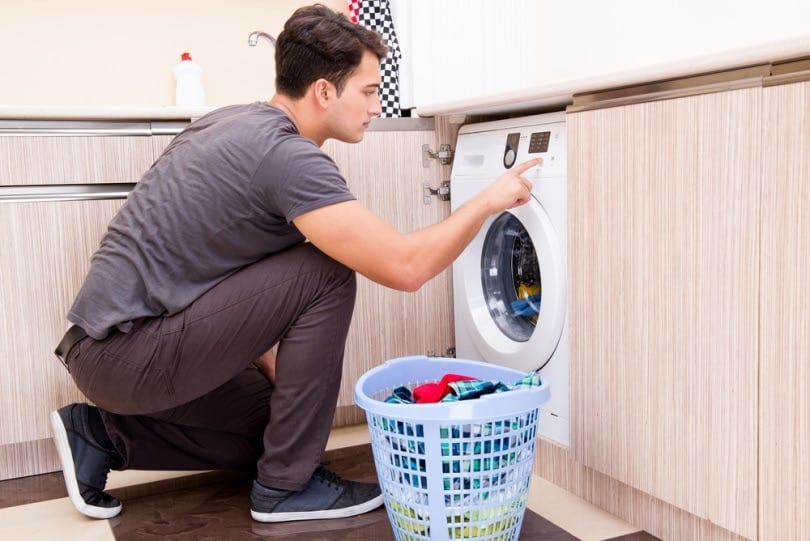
(181, 392)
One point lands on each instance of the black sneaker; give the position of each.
(85, 463)
(325, 496)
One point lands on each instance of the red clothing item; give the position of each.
(430, 393)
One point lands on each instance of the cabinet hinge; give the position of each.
(444, 155)
(442, 192)
(449, 352)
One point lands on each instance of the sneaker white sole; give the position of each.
(60, 438)
(358, 509)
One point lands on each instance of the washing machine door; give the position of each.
(516, 289)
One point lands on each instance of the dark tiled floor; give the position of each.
(216, 507)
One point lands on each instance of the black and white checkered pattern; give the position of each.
(376, 15)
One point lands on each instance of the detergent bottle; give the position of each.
(189, 90)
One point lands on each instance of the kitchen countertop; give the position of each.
(123, 120)
(89, 112)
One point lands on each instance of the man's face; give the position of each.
(352, 112)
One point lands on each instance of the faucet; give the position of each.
(253, 38)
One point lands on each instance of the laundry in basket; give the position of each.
(452, 470)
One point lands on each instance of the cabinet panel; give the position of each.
(46, 253)
(663, 214)
(784, 462)
(73, 159)
(385, 172)
(46, 250)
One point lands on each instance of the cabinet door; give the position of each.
(46, 253)
(46, 249)
(784, 472)
(664, 233)
(385, 173)
(31, 160)
(443, 40)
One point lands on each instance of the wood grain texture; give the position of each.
(385, 172)
(26, 458)
(42, 266)
(46, 250)
(784, 415)
(28, 160)
(44, 261)
(667, 522)
(663, 218)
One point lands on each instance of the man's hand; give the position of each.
(267, 365)
(511, 189)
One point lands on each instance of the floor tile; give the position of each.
(215, 506)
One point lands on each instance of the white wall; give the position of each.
(121, 53)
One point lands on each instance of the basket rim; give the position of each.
(486, 407)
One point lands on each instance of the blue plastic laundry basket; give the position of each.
(452, 470)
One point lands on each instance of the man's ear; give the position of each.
(324, 92)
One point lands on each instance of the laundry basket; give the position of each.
(452, 470)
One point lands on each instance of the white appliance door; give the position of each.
(514, 284)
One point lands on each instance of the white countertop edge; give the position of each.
(559, 94)
(92, 112)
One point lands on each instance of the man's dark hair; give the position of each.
(320, 43)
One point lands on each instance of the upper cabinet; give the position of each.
(480, 56)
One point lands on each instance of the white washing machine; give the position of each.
(510, 284)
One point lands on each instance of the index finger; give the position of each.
(521, 168)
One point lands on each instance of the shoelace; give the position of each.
(325, 476)
(100, 477)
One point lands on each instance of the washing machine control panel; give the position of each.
(546, 142)
(486, 150)
(538, 141)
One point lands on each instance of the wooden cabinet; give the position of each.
(442, 41)
(60, 159)
(664, 240)
(386, 173)
(46, 249)
(46, 252)
(784, 369)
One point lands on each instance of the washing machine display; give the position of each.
(539, 142)
(510, 278)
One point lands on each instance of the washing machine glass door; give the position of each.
(519, 315)
(510, 278)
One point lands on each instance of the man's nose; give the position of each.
(376, 107)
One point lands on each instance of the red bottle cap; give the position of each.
(185, 56)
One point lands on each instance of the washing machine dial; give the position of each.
(510, 152)
(509, 158)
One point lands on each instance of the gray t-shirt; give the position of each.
(223, 195)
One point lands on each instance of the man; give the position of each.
(205, 269)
